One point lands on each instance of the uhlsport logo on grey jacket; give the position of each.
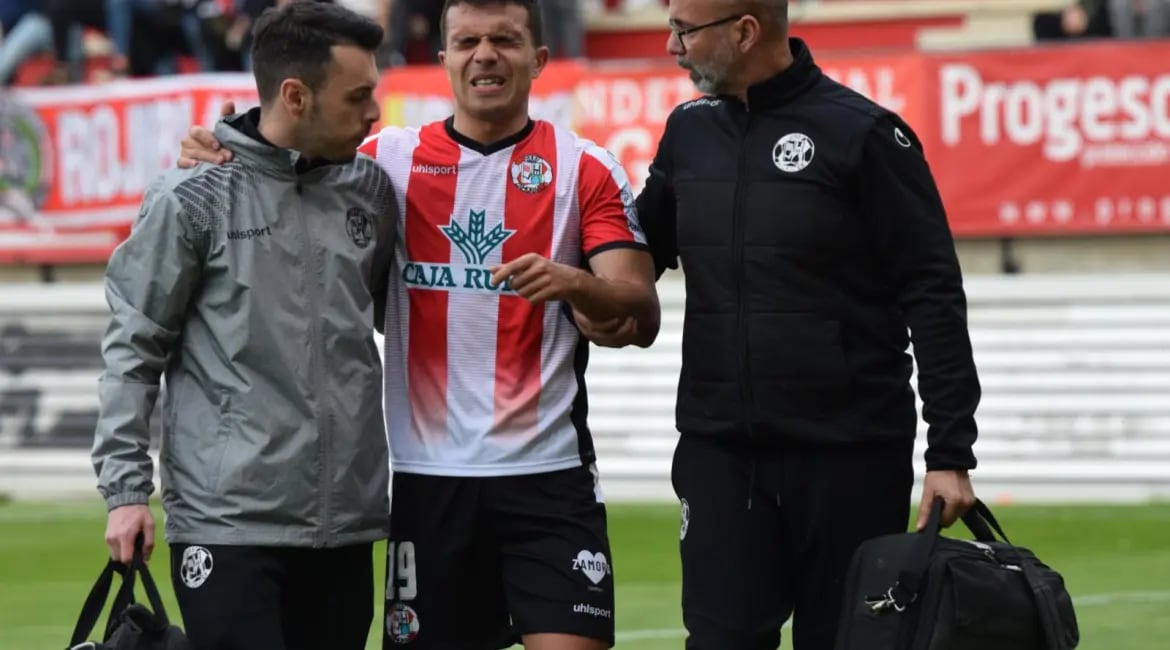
(255, 290)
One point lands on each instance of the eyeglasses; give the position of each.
(679, 33)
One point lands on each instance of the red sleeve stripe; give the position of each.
(606, 202)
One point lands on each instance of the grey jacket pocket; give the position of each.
(219, 443)
(199, 441)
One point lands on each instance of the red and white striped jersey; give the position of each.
(478, 380)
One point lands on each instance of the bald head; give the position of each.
(772, 14)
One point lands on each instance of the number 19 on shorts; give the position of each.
(401, 581)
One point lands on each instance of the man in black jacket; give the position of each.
(812, 236)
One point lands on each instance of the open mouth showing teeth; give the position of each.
(482, 82)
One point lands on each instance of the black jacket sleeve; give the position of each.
(656, 208)
(903, 209)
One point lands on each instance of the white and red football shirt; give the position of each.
(478, 380)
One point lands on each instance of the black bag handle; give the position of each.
(978, 519)
(95, 603)
(91, 611)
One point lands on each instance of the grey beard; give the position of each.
(705, 84)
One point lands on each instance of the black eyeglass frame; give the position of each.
(680, 33)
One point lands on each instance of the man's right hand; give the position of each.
(201, 146)
(123, 526)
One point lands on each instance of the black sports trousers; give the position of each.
(261, 598)
(766, 535)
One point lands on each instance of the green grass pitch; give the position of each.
(1115, 559)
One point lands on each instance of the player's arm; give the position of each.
(621, 288)
(656, 214)
(619, 285)
(615, 244)
(149, 281)
(908, 225)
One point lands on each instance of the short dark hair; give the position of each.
(295, 41)
(535, 18)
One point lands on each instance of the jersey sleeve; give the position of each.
(609, 218)
(370, 145)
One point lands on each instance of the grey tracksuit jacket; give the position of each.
(254, 288)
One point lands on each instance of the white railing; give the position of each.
(1075, 374)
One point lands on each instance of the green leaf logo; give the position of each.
(474, 243)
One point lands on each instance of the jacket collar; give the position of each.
(241, 134)
(789, 82)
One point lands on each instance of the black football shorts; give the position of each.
(475, 563)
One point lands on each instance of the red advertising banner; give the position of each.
(623, 106)
(1053, 141)
(75, 161)
(1049, 141)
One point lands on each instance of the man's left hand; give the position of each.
(613, 333)
(538, 278)
(954, 486)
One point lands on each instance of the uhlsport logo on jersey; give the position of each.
(532, 173)
(475, 243)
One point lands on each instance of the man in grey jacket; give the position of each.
(254, 288)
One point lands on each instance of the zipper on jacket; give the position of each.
(317, 360)
(738, 218)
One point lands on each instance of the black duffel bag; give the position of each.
(923, 591)
(130, 625)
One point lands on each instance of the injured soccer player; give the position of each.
(518, 242)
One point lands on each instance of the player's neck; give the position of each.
(487, 131)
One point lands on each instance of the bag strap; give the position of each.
(905, 589)
(152, 595)
(137, 568)
(91, 611)
(977, 519)
(95, 603)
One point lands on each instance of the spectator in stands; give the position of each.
(413, 34)
(27, 31)
(69, 19)
(153, 24)
(11, 12)
(1140, 18)
(1082, 19)
(814, 245)
(147, 36)
(565, 27)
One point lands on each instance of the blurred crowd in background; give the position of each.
(49, 42)
(80, 41)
